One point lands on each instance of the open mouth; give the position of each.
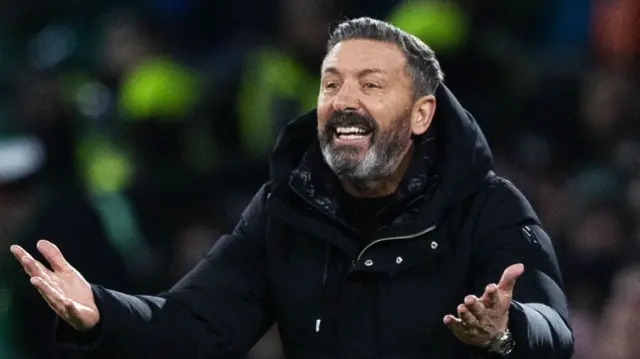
(351, 133)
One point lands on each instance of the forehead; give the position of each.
(355, 55)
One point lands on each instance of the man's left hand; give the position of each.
(483, 319)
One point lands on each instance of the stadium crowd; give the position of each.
(133, 133)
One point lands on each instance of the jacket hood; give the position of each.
(462, 156)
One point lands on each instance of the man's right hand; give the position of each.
(64, 288)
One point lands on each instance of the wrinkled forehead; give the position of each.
(352, 56)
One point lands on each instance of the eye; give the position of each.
(371, 85)
(331, 85)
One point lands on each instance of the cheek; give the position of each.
(324, 101)
(381, 110)
(323, 112)
(321, 120)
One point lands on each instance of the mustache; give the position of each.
(350, 119)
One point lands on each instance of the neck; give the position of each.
(380, 187)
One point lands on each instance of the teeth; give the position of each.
(349, 130)
(351, 137)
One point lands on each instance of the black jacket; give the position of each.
(455, 226)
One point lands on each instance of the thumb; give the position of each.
(77, 315)
(70, 310)
(509, 277)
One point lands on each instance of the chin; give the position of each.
(350, 155)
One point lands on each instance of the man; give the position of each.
(383, 233)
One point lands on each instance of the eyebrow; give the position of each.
(360, 73)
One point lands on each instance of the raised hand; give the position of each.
(63, 287)
(482, 319)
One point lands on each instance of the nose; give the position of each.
(346, 99)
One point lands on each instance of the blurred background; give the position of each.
(132, 133)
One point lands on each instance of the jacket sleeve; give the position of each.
(218, 310)
(509, 232)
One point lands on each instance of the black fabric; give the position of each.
(293, 259)
(314, 181)
(362, 214)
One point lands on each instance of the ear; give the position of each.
(422, 114)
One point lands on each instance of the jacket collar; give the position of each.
(313, 180)
(450, 162)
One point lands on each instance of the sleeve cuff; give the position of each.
(519, 327)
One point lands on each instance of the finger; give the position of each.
(490, 297)
(454, 324)
(19, 252)
(44, 271)
(53, 255)
(51, 304)
(16, 250)
(31, 267)
(52, 296)
(475, 307)
(467, 317)
(509, 277)
(27, 261)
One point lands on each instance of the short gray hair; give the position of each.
(422, 65)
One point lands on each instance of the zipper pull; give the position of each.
(318, 321)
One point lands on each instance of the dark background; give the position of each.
(132, 133)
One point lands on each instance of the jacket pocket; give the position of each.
(395, 256)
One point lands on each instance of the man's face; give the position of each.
(365, 109)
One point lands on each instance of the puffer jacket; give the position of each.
(293, 260)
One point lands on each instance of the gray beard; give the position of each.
(378, 162)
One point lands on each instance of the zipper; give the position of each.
(334, 218)
(408, 236)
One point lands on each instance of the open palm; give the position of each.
(482, 319)
(62, 286)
